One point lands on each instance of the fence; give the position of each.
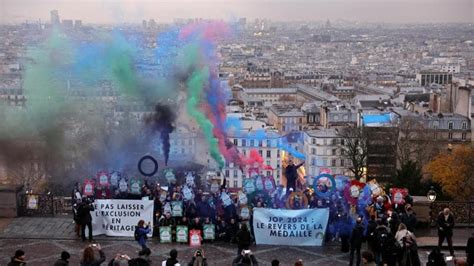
(42, 205)
(463, 211)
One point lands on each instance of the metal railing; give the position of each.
(43, 205)
(463, 211)
(36, 205)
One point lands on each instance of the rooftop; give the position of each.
(269, 90)
(322, 133)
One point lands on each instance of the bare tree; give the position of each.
(23, 160)
(355, 149)
(415, 143)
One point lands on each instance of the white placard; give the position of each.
(119, 217)
(290, 227)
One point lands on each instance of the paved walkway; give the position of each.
(43, 239)
(429, 237)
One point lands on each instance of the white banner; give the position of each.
(290, 227)
(119, 217)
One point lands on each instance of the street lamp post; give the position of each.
(431, 195)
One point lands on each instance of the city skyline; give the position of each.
(125, 11)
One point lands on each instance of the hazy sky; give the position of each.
(112, 11)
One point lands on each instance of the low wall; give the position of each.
(421, 206)
(9, 200)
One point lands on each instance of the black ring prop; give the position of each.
(155, 163)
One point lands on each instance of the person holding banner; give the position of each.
(168, 221)
(141, 232)
(195, 224)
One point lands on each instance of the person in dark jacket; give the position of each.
(382, 242)
(76, 200)
(85, 218)
(143, 258)
(88, 257)
(119, 260)
(409, 218)
(291, 174)
(245, 259)
(230, 212)
(371, 226)
(345, 228)
(191, 210)
(172, 260)
(203, 208)
(195, 224)
(436, 258)
(243, 238)
(18, 259)
(470, 250)
(64, 260)
(198, 259)
(393, 221)
(357, 238)
(183, 221)
(141, 232)
(221, 233)
(157, 207)
(232, 229)
(167, 220)
(445, 229)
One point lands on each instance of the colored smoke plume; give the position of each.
(162, 120)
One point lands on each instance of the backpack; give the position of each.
(386, 242)
(436, 258)
(136, 234)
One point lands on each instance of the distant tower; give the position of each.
(328, 24)
(55, 17)
(144, 24)
(152, 24)
(242, 21)
(78, 24)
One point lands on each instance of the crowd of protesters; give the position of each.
(387, 228)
